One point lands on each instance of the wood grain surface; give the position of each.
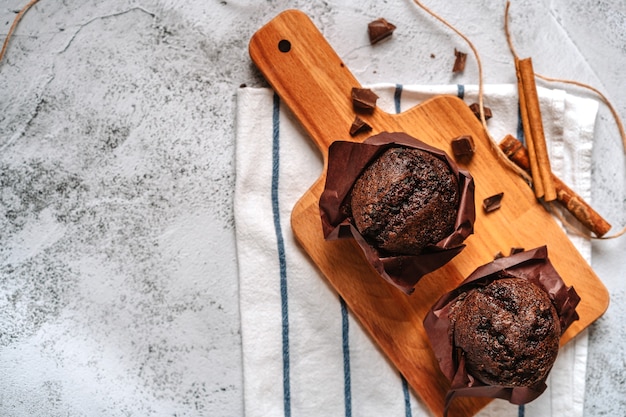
(315, 84)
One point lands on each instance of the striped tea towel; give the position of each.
(303, 352)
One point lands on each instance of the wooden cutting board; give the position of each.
(315, 84)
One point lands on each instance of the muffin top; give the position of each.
(508, 331)
(405, 200)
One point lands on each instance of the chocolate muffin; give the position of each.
(410, 212)
(405, 200)
(508, 332)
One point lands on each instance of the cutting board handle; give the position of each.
(307, 74)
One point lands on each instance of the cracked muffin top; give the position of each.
(508, 331)
(405, 200)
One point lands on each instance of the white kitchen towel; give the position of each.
(303, 352)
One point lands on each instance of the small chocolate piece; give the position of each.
(363, 100)
(492, 203)
(516, 250)
(379, 29)
(359, 126)
(459, 62)
(498, 255)
(463, 147)
(475, 107)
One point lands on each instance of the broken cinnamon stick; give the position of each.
(583, 212)
(533, 130)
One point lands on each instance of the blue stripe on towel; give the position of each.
(347, 383)
(407, 397)
(281, 255)
(520, 126)
(460, 91)
(520, 136)
(397, 95)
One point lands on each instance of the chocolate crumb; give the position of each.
(359, 126)
(379, 29)
(459, 62)
(363, 100)
(475, 107)
(463, 147)
(492, 203)
(243, 85)
(498, 255)
(516, 250)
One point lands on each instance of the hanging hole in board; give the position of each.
(284, 45)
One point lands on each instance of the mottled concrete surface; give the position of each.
(118, 278)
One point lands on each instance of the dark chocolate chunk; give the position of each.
(379, 29)
(492, 203)
(459, 62)
(363, 100)
(359, 126)
(516, 250)
(475, 107)
(463, 147)
(498, 255)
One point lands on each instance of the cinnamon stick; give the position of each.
(528, 136)
(583, 212)
(531, 119)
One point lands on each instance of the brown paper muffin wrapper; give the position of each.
(532, 265)
(346, 161)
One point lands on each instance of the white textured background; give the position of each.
(118, 280)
